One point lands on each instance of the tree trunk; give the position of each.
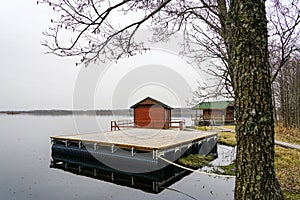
(256, 177)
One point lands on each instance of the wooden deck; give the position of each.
(140, 139)
(135, 149)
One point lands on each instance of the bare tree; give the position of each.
(287, 87)
(283, 29)
(237, 33)
(284, 21)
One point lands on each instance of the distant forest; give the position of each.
(176, 112)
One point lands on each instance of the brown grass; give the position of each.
(287, 164)
(287, 161)
(232, 127)
(291, 135)
(195, 161)
(227, 138)
(284, 134)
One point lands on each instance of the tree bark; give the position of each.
(256, 177)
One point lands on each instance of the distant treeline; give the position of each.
(176, 112)
(69, 112)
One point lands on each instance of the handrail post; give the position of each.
(180, 125)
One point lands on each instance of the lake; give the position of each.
(27, 171)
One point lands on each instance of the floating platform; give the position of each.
(136, 149)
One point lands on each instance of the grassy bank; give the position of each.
(287, 161)
(195, 161)
(227, 138)
(290, 135)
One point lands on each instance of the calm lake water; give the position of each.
(25, 172)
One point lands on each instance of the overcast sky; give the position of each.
(30, 79)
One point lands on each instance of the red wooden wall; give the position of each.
(152, 116)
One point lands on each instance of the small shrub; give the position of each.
(227, 138)
(195, 161)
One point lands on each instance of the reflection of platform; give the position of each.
(153, 182)
(134, 147)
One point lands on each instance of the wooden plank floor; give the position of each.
(147, 139)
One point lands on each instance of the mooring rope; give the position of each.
(174, 190)
(193, 170)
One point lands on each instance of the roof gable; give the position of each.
(150, 101)
(214, 105)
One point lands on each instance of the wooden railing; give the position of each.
(117, 124)
(180, 124)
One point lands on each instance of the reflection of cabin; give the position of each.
(150, 113)
(217, 111)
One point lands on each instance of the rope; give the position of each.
(193, 170)
(174, 190)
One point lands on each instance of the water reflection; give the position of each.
(152, 182)
(25, 174)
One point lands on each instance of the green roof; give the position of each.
(214, 105)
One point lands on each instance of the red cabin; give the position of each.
(150, 113)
